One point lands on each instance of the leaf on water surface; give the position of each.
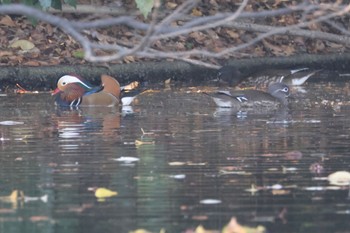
(24, 45)
(234, 227)
(200, 217)
(11, 123)
(103, 193)
(176, 163)
(210, 201)
(339, 178)
(280, 192)
(201, 229)
(39, 218)
(140, 231)
(140, 143)
(21, 90)
(13, 197)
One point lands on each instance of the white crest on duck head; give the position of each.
(67, 79)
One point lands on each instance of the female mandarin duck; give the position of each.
(262, 79)
(275, 97)
(72, 90)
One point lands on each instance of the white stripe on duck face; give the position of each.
(66, 79)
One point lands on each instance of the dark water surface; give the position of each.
(191, 165)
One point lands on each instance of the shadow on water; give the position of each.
(177, 162)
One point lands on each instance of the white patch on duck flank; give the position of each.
(127, 100)
(297, 70)
(222, 103)
(66, 79)
(300, 81)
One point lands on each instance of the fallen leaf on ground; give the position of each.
(23, 44)
(7, 21)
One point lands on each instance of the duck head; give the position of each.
(71, 88)
(279, 91)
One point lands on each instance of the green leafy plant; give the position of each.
(145, 6)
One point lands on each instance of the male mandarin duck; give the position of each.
(275, 97)
(73, 90)
(262, 79)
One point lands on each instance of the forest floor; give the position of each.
(41, 44)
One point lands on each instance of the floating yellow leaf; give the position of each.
(201, 229)
(139, 143)
(339, 178)
(13, 197)
(23, 44)
(103, 193)
(234, 227)
(140, 231)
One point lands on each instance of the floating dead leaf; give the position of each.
(39, 218)
(130, 86)
(234, 227)
(104, 193)
(21, 90)
(140, 143)
(7, 21)
(339, 178)
(13, 197)
(280, 192)
(200, 217)
(140, 231)
(22, 44)
(201, 229)
(176, 163)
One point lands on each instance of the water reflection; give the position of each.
(176, 163)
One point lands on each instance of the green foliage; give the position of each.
(57, 4)
(145, 6)
(72, 3)
(45, 3)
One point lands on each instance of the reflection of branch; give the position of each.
(160, 29)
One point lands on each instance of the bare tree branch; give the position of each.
(163, 28)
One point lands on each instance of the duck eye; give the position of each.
(285, 89)
(64, 83)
